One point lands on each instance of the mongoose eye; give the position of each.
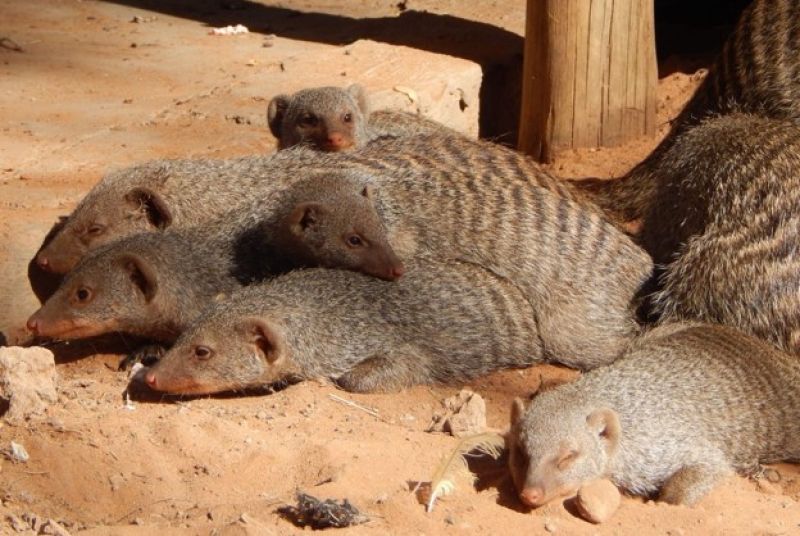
(96, 230)
(309, 120)
(566, 460)
(347, 118)
(202, 352)
(355, 241)
(83, 294)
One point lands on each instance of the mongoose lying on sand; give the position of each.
(154, 284)
(184, 193)
(439, 323)
(339, 119)
(685, 406)
(757, 72)
(726, 227)
(580, 274)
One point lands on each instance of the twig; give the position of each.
(352, 404)
(10, 44)
(142, 507)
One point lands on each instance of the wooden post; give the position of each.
(590, 74)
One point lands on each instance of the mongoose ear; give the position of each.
(153, 206)
(141, 274)
(265, 337)
(306, 216)
(605, 423)
(517, 410)
(360, 96)
(368, 192)
(275, 112)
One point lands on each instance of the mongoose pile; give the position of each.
(686, 405)
(154, 284)
(379, 250)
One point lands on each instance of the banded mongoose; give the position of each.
(184, 193)
(684, 407)
(154, 284)
(339, 119)
(726, 226)
(442, 322)
(757, 72)
(580, 274)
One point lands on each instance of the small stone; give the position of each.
(54, 528)
(449, 519)
(766, 486)
(18, 452)
(382, 498)
(772, 475)
(16, 523)
(244, 518)
(549, 526)
(597, 501)
(137, 521)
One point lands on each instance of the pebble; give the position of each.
(597, 501)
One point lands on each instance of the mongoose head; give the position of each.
(340, 230)
(553, 450)
(103, 294)
(327, 118)
(223, 352)
(105, 214)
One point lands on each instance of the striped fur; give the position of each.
(186, 193)
(757, 72)
(442, 322)
(727, 228)
(685, 405)
(579, 272)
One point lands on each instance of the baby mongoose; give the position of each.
(442, 322)
(580, 273)
(154, 284)
(339, 119)
(756, 72)
(686, 405)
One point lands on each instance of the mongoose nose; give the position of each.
(335, 140)
(532, 496)
(43, 262)
(150, 379)
(397, 272)
(33, 325)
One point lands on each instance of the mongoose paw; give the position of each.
(147, 355)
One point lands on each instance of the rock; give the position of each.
(597, 501)
(463, 415)
(54, 528)
(18, 453)
(770, 488)
(27, 381)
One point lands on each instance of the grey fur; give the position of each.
(686, 405)
(439, 323)
(579, 272)
(155, 284)
(726, 227)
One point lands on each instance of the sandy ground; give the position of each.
(89, 91)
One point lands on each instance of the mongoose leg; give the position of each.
(382, 373)
(691, 483)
